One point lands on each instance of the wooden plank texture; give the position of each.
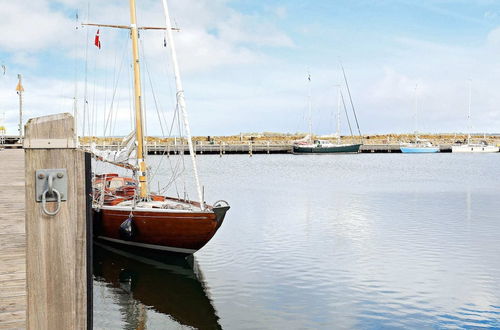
(12, 241)
(56, 245)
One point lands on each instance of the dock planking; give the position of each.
(12, 240)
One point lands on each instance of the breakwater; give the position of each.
(275, 143)
(249, 148)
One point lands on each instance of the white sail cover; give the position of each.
(306, 138)
(126, 154)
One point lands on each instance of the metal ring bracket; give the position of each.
(44, 200)
(51, 179)
(50, 182)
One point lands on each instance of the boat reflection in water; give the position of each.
(171, 285)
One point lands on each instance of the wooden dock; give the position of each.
(12, 241)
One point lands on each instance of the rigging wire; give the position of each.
(176, 170)
(93, 121)
(109, 121)
(350, 98)
(85, 91)
(142, 56)
(177, 167)
(130, 91)
(346, 114)
(75, 96)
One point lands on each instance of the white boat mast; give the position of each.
(309, 105)
(416, 114)
(181, 101)
(468, 115)
(338, 112)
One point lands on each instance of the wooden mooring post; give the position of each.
(58, 234)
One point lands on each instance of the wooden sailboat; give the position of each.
(125, 211)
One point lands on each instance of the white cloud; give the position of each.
(281, 12)
(230, 75)
(40, 28)
(493, 39)
(491, 14)
(212, 33)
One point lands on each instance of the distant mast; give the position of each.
(309, 104)
(416, 113)
(350, 100)
(468, 116)
(338, 113)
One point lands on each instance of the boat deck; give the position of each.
(157, 205)
(12, 241)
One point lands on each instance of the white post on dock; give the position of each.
(58, 233)
(20, 91)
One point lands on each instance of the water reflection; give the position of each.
(363, 242)
(144, 285)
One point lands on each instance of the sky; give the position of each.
(245, 64)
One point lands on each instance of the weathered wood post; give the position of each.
(58, 264)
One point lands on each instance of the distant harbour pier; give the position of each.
(263, 144)
(251, 148)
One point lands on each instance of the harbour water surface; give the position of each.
(328, 241)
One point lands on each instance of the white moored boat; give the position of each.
(469, 147)
(474, 147)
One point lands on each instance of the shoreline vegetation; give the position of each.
(278, 138)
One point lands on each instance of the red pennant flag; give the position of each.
(97, 42)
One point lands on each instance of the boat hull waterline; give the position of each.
(419, 150)
(474, 149)
(159, 230)
(308, 149)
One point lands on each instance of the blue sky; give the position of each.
(245, 63)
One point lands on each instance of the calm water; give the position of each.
(344, 241)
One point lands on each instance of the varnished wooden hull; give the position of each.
(160, 230)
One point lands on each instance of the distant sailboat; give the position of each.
(418, 145)
(323, 146)
(473, 147)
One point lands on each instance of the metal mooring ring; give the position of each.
(44, 202)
